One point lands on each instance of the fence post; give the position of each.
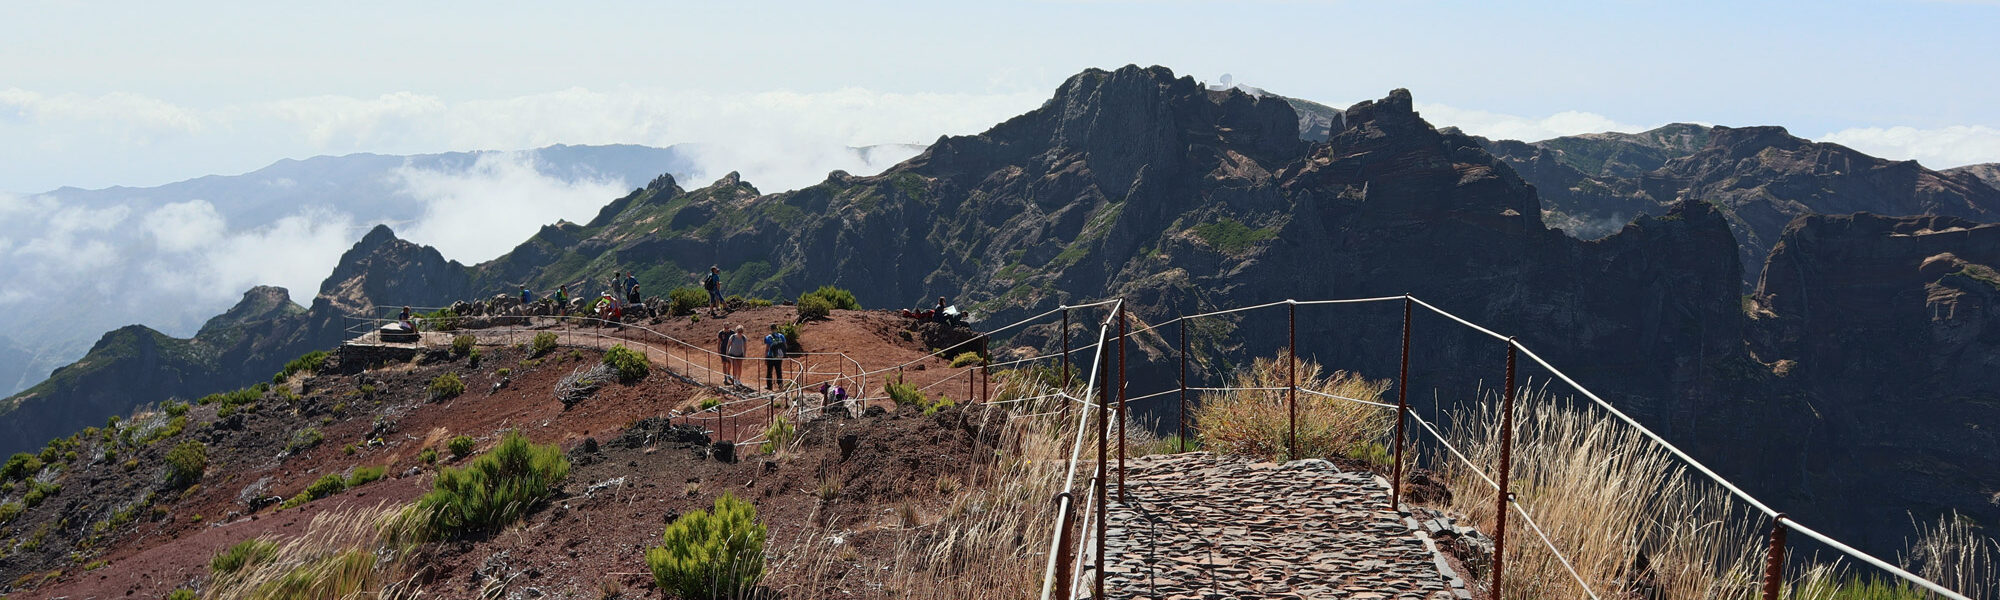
(1292, 373)
(1402, 411)
(971, 379)
(1121, 402)
(1065, 545)
(1065, 356)
(1103, 438)
(1183, 410)
(1506, 469)
(1774, 562)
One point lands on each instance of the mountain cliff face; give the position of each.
(1181, 199)
(1888, 333)
(1761, 177)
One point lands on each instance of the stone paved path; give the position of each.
(1199, 526)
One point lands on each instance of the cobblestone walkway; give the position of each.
(1199, 526)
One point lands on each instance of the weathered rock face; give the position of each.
(1987, 173)
(1762, 178)
(1888, 332)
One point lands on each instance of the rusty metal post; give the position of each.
(1121, 403)
(1292, 372)
(1774, 562)
(1183, 410)
(971, 379)
(1065, 355)
(1506, 469)
(1103, 438)
(986, 383)
(1065, 545)
(1402, 411)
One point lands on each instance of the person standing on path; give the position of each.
(733, 350)
(631, 287)
(713, 283)
(722, 349)
(774, 358)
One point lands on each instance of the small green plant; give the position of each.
(310, 361)
(473, 358)
(347, 450)
(446, 386)
(778, 436)
(967, 359)
(942, 404)
(461, 345)
(20, 466)
(10, 511)
(503, 372)
(906, 393)
(813, 308)
(247, 553)
(709, 402)
(176, 409)
(835, 297)
(544, 343)
(684, 300)
(363, 475)
(303, 440)
(496, 489)
(186, 462)
(711, 555)
(442, 320)
(628, 363)
(181, 594)
(460, 446)
(429, 456)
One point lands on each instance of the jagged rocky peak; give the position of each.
(383, 269)
(258, 304)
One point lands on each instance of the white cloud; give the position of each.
(1937, 148)
(486, 210)
(184, 226)
(1500, 126)
(123, 112)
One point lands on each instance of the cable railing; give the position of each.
(1067, 585)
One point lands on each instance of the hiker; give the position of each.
(733, 353)
(617, 278)
(632, 287)
(404, 319)
(562, 300)
(722, 349)
(527, 297)
(774, 358)
(713, 283)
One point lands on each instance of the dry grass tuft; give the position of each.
(1257, 423)
(344, 554)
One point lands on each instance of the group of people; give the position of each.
(733, 346)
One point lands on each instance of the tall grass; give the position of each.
(1258, 422)
(1954, 554)
(343, 554)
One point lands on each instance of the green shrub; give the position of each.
(303, 440)
(20, 466)
(472, 358)
(711, 555)
(835, 297)
(327, 485)
(173, 428)
(446, 387)
(942, 404)
(496, 489)
(710, 402)
(813, 307)
(793, 343)
(181, 594)
(967, 358)
(684, 300)
(630, 365)
(364, 475)
(544, 342)
(778, 435)
(177, 409)
(186, 462)
(442, 320)
(460, 446)
(503, 372)
(234, 397)
(247, 553)
(38, 491)
(9, 511)
(462, 345)
(225, 411)
(311, 361)
(429, 456)
(906, 393)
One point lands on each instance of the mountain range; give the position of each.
(1859, 355)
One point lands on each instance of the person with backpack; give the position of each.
(527, 297)
(562, 300)
(722, 349)
(733, 352)
(774, 358)
(632, 288)
(713, 283)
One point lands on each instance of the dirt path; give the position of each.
(1200, 526)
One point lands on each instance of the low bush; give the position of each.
(472, 358)
(906, 393)
(778, 436)
(835, 297)
(544, 343)
(685, 300)
(311, 361)
(967, 359)
(793, 343)
(460, 446)
(247, 553)
(186, 462)
(176, 409)
(429, 456)
(20, 466)
(182, 594)
(446, 386)
(628, 363)
(711, 555)
(303, 440)
(813, 308)
(327, 485)
(9, 511)
(941, 405)
(442, 320)
(363, 475)
(709, 402)
(496, 489)
(461, 345)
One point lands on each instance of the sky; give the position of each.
(94, 94)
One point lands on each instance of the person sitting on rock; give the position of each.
(404, 320)
(631, 288)
(527, 297)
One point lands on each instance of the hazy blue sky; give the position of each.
(141, 93)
